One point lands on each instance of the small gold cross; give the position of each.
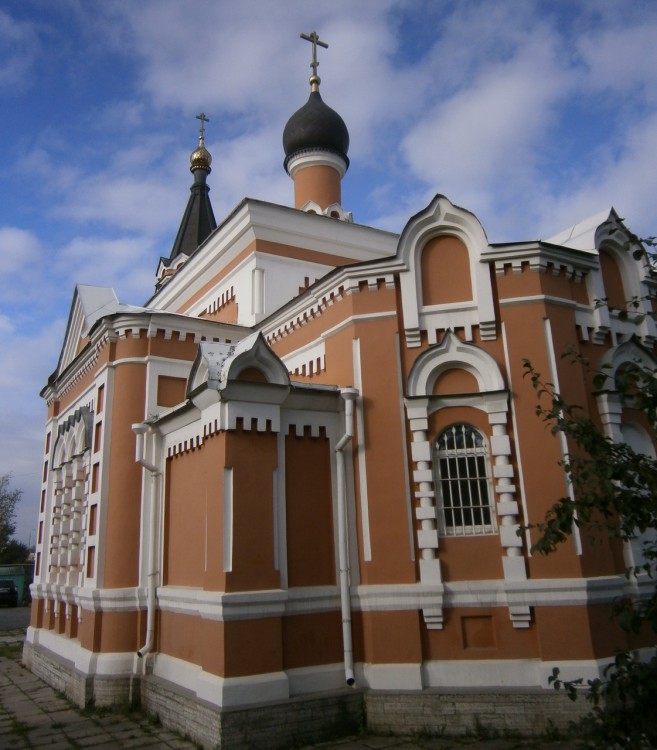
(203, 120)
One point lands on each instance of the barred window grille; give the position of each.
(464, 482)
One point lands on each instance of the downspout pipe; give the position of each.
(140, 430)
(349, 395)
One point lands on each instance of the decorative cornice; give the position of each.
(148, 323)
(254, 220)
(541, 257)
(217, 605)
(312, 304)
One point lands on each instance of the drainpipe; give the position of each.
(349, 395)
(140, 429)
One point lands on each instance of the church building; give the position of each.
(291, 488)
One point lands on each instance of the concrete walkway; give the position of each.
(33, 715)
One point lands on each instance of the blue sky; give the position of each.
(534, 115)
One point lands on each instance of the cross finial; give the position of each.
(203, 120)
(314, 39)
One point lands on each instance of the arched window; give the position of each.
(464, 482)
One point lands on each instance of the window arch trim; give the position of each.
(449, 354)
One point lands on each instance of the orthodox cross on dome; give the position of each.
(314, 39)
(203, 120)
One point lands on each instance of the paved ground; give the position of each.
(33, 715)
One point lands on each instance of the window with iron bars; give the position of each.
(462, 466)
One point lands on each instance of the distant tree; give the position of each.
(614, 496)
(8, 500)
(15, 552)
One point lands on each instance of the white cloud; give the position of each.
(137, 187)
(249, 166)
(25, 362)
(6, 325)
(23, 258)
(124, 263)
(486, 140)
(625, 178)
(620, 59)
(18, 51)
(124, 202)
(219, 54)
(19, 249)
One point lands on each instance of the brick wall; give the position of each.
(317, 718)
(81, 689)
(529, 713)
(279, 725)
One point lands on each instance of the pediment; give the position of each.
(217, 364)
(89, 304)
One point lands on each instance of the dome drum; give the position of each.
(314, 157)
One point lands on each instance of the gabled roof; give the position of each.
(216, 363)
(581, 236)
(89, 304)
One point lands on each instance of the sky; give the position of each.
(533, 114)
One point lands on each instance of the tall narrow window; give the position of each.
(464, 482)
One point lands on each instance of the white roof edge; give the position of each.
(257, 220)
(96, 302)
(581, 236)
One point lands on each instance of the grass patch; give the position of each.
(19, 727)
(11, 650)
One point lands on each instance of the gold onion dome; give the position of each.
(200, 158)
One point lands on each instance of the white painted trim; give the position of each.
(183, 673)
(316, 679)
(518, 456)
(253, 689)
(254, 220)
(442, 218)
(360, 455)
(452, 353)
(296, 360)
(554, 378)
(393, 676)
(404, 443)
(483, 673)
(325, 294)
(493, 593)
(310, 599)
(149, 321)
(221, 691)
(539, 298)
(316, 158)
(87, 662)
(353, 319)
(216, 605)
(173, 368)
(243, 691)
(541, 258)
(227, 524)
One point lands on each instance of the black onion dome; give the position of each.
(315, 126)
